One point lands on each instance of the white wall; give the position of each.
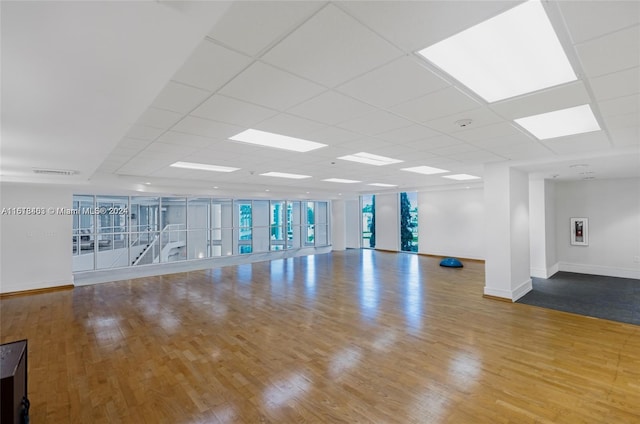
(352, 214)
(338, 225)
(36, 249)
(387, 222)
(542, 228)
(451, 223)
(507, 260)
(613, 209)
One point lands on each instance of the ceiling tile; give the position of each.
(173, 149)
(331, 48)
(598, 58)
(436, 105)
(252, 26)
(413, 25)
(477, 157)
(488, 132)
(333, 136)
(134, 143)
(330, 108)
(375, 123)
(623, 121)
(211, 66)
(159, 118)
(433, 143)
(590, 19)
(621, 106)
(479, 117)
(578, 143)
(206, 128)
(143, 133)
(232, 111)
(406, 134)
(396, 82)
(561, 97)
(270, 87)
(179, 97)
(625, 136)
(290, 125)
(183, 139)
(454, 149)
(617, 84)
(525, 151)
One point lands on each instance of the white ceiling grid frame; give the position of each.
(331, 48)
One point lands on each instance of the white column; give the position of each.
(338, 225)
(542, 233)
(507, 260)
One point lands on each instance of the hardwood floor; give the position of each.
(346, 337)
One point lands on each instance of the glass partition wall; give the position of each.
(121, 231)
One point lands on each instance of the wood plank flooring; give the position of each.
(346, 337)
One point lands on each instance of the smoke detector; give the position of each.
(463, 122)
(64, 172)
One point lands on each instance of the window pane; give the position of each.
(293, 225)
(409, 222)
(309, 228)
(368, 221)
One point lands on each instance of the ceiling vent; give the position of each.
(65, 172)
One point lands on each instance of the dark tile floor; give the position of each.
(616, 299)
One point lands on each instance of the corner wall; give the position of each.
(613, 209)
(36, 249)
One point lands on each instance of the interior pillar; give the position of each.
(507, 260)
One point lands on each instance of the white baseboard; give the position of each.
(544, 272)
(12, 288)
(521, 290)
(599, 270)
(514, 294)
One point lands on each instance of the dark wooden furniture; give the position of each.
(13, 387)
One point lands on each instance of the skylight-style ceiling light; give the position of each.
(203, 167)
(514, 53)
(560, 123)
(461, 177)
(341, 180)
(285, 175)
(267, 139)
(426, 170)
(370, 159)
(383, 185)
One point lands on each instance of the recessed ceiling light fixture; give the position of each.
(511, 54)
(426, 170)
(341, 180)
(370, 159)
(461, 177)
(285, 175)
(383, 185)
(560, 123)
(203, 167)
(267, 139)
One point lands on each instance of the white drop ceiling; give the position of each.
(118, 91)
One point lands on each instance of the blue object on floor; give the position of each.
(451, 263)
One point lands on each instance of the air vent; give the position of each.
(55, 171)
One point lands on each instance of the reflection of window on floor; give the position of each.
(121, 231)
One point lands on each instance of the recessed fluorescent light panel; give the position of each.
(341, 180)
(369, 159)
(383, 185)
(514, 53)
(285, 175)
(560, 123)
(461, 177)
(203, 167)
(267, 139)
(426, 170)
